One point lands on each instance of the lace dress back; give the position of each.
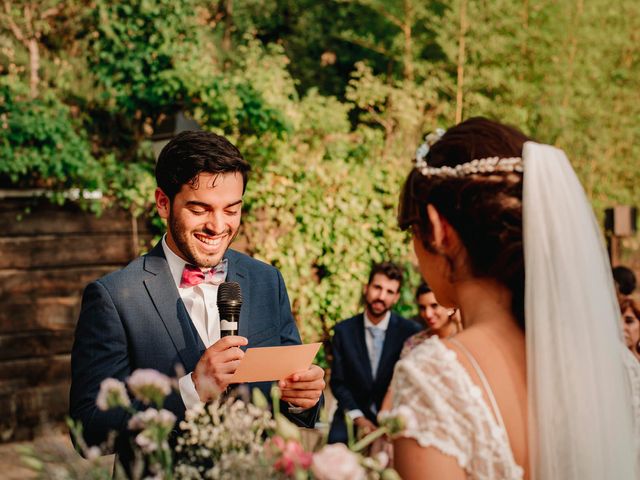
(448, 411)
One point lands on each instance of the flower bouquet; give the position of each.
(234, 438)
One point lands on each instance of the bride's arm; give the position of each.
(424, 463)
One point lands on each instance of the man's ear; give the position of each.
(163, 204)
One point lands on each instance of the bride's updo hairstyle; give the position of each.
(484, 208)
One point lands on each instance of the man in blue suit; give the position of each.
(157, 313)
(365, 350)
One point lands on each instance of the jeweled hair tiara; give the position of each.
(478, 166)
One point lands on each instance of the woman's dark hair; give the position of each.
(193, 152)
(422, 289)
(630, 303)
(625, 279)
(485, 209)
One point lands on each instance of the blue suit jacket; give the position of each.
(134, 318)
(352, 382)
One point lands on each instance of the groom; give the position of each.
(157, 313)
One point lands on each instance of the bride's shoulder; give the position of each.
(431, 369)
(431, 389)
(431, 353)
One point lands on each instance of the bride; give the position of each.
(535, 385)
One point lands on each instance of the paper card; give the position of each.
(269, 364)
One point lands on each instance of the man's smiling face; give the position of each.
(203, 218)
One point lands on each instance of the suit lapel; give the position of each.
(362, 351)
(166, 299)
(238, 273)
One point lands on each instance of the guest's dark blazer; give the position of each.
(134, 318)
(352, 382)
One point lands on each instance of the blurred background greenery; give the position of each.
(328, 99)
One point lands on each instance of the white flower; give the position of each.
(149, 386)
(146, 444)
(151, 416)
(382, 458)
(113, 394)
(93, 453)
(337, 462)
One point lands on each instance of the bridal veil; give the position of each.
(581, 422)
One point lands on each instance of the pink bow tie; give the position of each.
(192, 275)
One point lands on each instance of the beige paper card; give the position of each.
(269, 364)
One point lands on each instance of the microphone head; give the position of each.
(229, 304)
(229, 293)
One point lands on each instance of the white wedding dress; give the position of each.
(449, 413)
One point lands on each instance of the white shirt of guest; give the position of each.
(201, 304)
(368, 338)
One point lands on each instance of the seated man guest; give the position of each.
(365, 350)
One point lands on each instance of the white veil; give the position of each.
(580, 416)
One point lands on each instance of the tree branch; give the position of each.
(367, 45)
(461, 59)
(13, 26)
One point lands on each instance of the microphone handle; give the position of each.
(229, 325)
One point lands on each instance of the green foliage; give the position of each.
(138, 50)
(323, 223)
(328, 101)
(41, 143)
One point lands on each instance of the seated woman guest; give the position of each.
(438, 320)
(441, 321)
(511, 396)
(631, 325)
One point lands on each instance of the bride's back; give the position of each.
(499, 350)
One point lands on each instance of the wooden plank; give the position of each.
(15, 374)
(21, 314)
(50, 282)
(38, 405)
(72, 250)
(21, 218)
(29, 345)
(28, 410)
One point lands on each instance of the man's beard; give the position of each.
(181, 237)
(378, 303)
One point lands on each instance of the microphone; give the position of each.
(229, 304)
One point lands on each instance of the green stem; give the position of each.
(369, 439)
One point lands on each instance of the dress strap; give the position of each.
(483, 380)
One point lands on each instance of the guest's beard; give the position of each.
(377, 307)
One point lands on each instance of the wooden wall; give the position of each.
(47, 257)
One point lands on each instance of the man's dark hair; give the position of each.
(625, 279)
(389, 270)
(422, 289)
(193, 152)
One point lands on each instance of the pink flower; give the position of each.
(113, 394)
(337, 462)
(149, 386)
(289, 454)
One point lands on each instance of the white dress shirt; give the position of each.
(368, 338)
(201, 303)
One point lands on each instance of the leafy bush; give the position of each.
(41, 144)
